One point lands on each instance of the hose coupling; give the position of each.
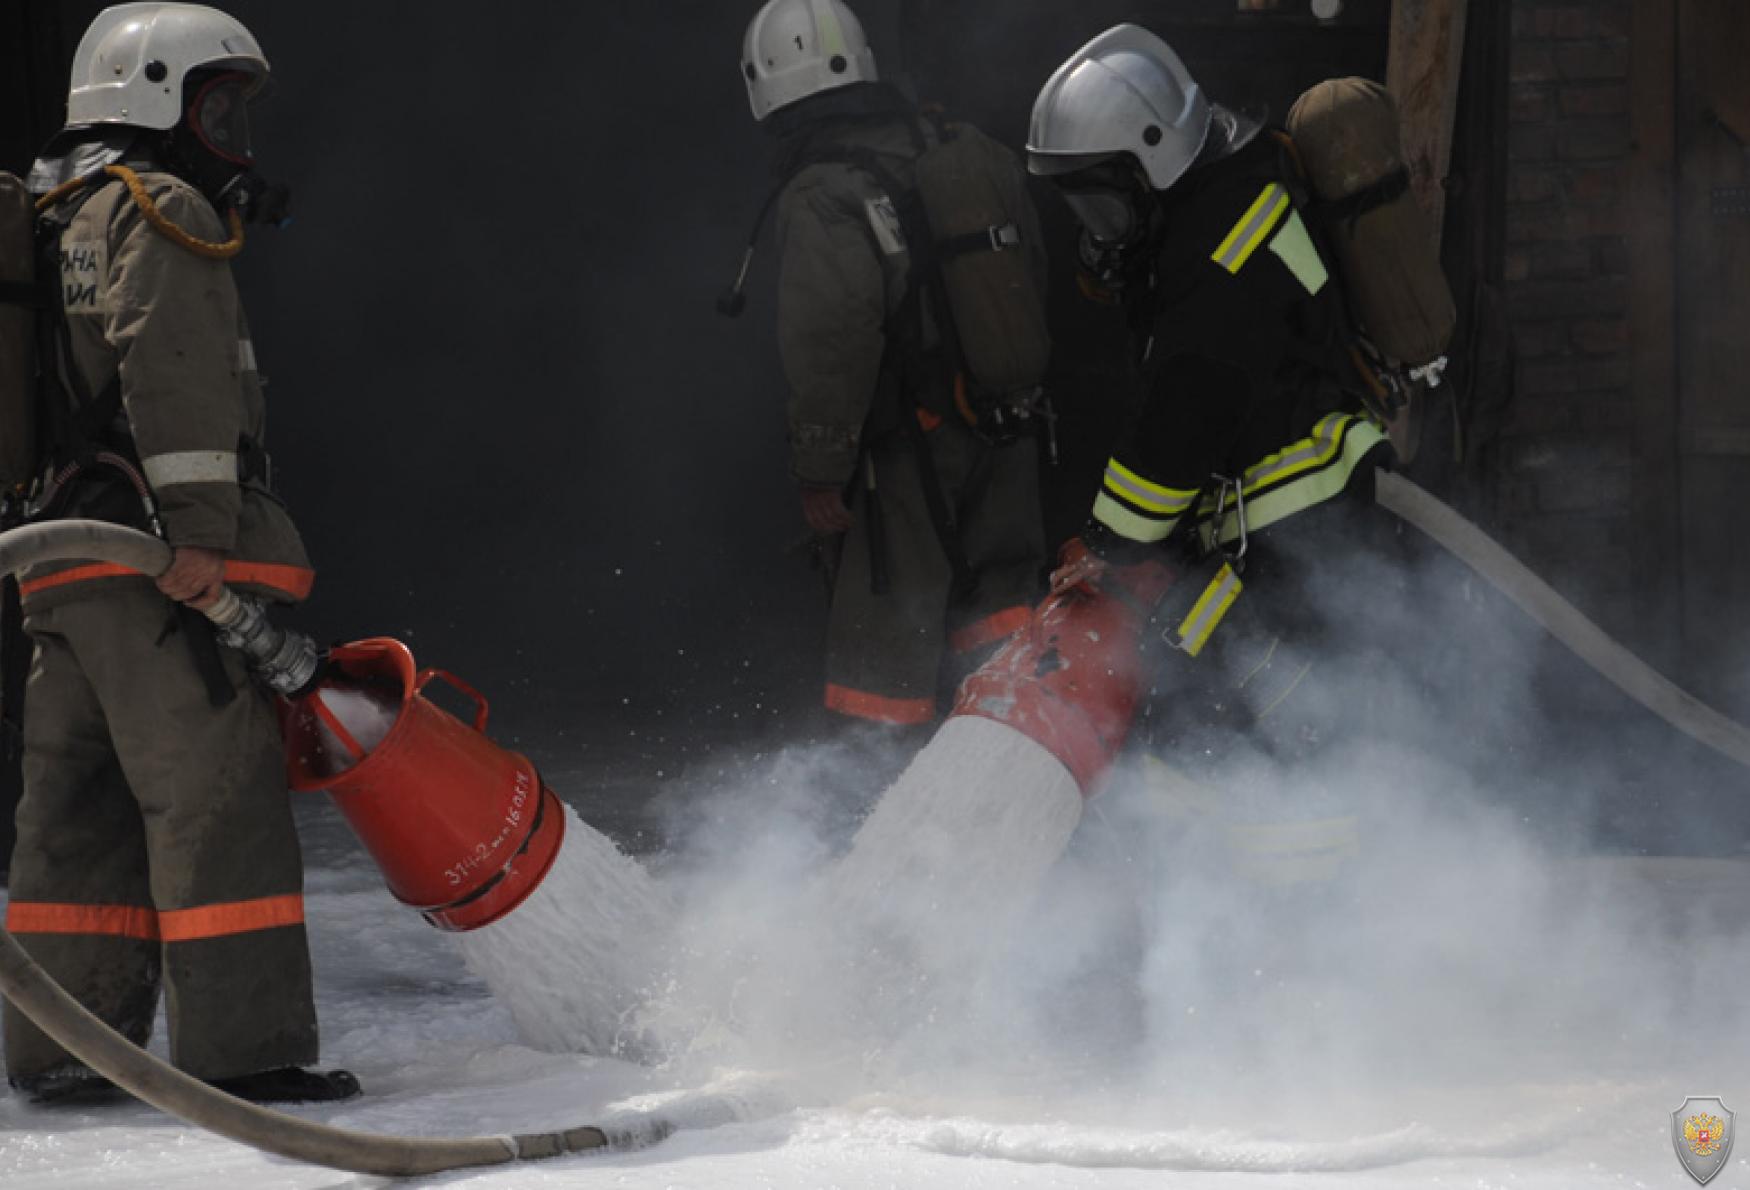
(287, 662)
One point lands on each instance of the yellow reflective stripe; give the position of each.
(1126, 484)
(1209, 609)
(1252, 228)
(1127, 523)
(1294, 247)
(1315, 450)
(1297, 495)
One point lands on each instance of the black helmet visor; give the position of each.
(218, 115)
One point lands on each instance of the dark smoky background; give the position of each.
(517, 435)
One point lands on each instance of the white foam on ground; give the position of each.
(572, 961)
(439, 1056)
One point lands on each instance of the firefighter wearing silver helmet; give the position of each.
(155, 846)
(1251, 459)
(936, 527)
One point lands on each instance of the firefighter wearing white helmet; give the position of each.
(934, 522)
(1251, 460)
(797, 48)
(156, 849)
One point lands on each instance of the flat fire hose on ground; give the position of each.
(158, 1083)
(1564, 621)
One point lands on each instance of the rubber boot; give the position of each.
(70, 1086)
(289, 1084)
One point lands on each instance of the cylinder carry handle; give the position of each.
(425, 677)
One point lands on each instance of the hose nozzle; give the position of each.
(287, 662)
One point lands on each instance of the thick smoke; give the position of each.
(1337, 950)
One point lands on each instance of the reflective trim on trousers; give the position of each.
(151, 925)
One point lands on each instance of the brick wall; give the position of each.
(1564, 468)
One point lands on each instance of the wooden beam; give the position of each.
(1422, 71)
(1655, 552)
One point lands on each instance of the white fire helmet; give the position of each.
(797, 48)
(132, 61)
(1126, 91)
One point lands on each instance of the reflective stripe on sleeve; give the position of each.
(1126, 523)
(1294, 479)
(1148, 496)
(295, 581)
(190, 466)
(246, 355)
(1294, 247)
(1137, 507)
(1252, 229)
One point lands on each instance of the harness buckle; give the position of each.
(1005, 237)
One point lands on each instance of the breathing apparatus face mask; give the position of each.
(212, 143)
(1112, 205)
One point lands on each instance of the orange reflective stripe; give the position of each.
(173, 925)
(903, 711)
(231, 917)
(998, 626)
(77, 574)
(122, 921)
(295, 581)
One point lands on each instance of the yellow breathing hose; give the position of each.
(158, 219)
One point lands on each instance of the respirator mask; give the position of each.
(1112, 204)
(212, 145)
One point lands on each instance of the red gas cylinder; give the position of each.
(463, 829)
(1071, 679)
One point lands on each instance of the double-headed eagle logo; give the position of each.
(1702, 1134)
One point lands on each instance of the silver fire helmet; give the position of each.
(1126, 91)
(797, 48)
(131, 63)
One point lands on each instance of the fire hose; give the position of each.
(1562, 620)
(155, 1081)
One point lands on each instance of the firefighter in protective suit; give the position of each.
(1252, 457)
(155, 840)
(942, 537)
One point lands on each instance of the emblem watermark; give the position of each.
(1702, 1131)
